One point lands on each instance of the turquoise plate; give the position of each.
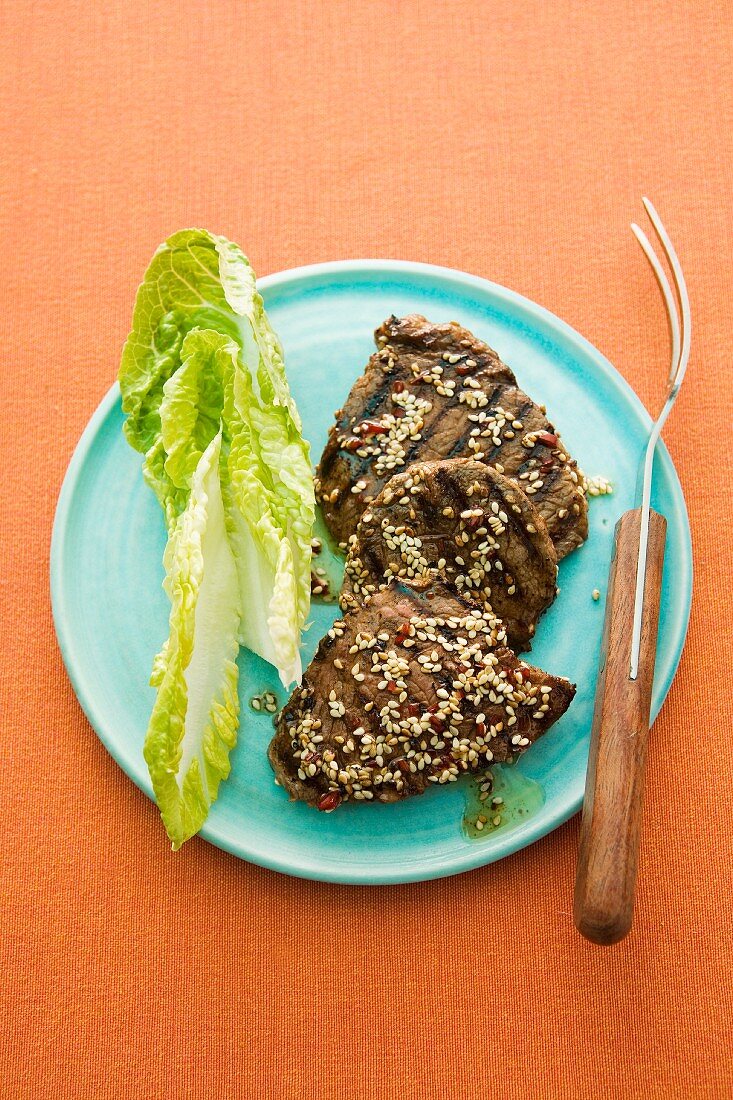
(111, 613)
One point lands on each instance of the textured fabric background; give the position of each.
(513, 140)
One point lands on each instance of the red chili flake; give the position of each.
(547, 438)
(546, 466)
(459, 692)
(437, 723)
(398, 412)
(392, 686)
(463, 368)
(402, 634)
(433, 708)
(480, 729)
(329, 801)
(474, 521)
(399, 386)
(371, 427)
(311, 757)
(350, 444)
(404, 767)
(413, 710)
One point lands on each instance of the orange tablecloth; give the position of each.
(514, 141)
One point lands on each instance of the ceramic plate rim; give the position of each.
(455, 864)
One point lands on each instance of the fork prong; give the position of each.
(680, 355)
(667, 294)
(680, 286)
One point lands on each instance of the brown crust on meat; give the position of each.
(435, 391)
(468, 523)
(420, 688)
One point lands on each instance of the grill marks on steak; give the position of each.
(416, 687)
(435, 391)
(417, 683)
(467, 522)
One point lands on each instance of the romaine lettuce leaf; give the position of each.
(196, 280)
(201, 352)
(201, 364)
(193, 726)
(271, 523)
(193, 399)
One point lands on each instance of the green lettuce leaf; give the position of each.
(271, 523)
(193, 399)
(195, 280)
(193, 727)
(202, 367)
(269, 481)
(202, 352)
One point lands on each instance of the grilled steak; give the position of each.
(462, 519)
(416, 687)
(435, 391)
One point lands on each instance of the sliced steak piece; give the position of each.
(467, 522)
(435, 391)
(416, 687)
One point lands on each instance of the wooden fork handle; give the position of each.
(611, 824)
